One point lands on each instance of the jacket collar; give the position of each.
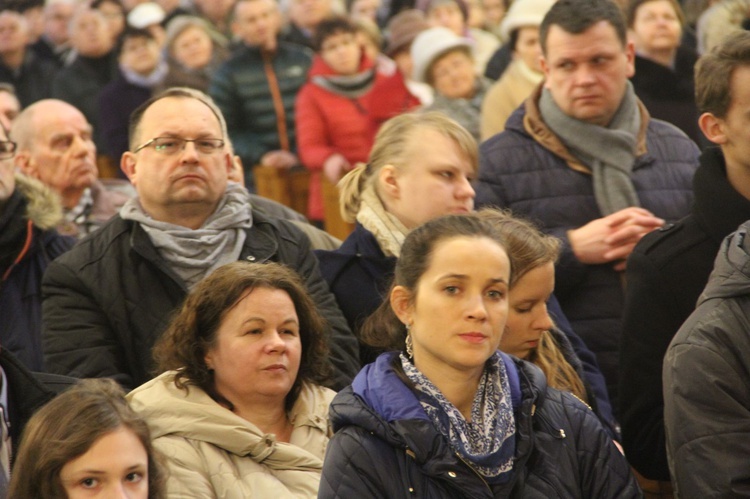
(260, 245)
(535, 126)
(710, 184)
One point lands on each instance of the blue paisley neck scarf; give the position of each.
(488, 441)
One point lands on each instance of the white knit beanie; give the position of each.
(429, 45)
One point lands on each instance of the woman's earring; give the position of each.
(409, 345)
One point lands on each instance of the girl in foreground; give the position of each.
(87, 442)
(445, 414)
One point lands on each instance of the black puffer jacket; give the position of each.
(385, 446)
(111, 297)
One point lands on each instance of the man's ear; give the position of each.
(545, 69)
(401, 303)
(388, 180)
(23, 163)
(128, 166)
(713, 128)
(630, 55)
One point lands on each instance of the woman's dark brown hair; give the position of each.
(66, 428)
(193, 331)
(383, 329)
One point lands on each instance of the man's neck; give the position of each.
(71, 198)
(739, 178)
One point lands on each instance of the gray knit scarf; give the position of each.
(195, 253)
(350, 86)
(609, 151)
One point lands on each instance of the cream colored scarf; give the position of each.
(389, 232)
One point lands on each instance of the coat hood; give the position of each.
(379, 402)
(43, 206)
(731, 274)
(195, 416)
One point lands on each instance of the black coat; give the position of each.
(561, 449)
(666, 273)
(108, 300)
(359, 275)
(707, 387)
(27, 392)
(25, 252)
(33, 81)
(79, 85)
(669, 94)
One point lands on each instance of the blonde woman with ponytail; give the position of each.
(420, 168)
(531, 333)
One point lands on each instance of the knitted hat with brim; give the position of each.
(402, 29)
(430, 45)
(524, 13)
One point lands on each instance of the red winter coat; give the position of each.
(329, 122)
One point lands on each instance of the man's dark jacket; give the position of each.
(27, 392)
(243, 91)
(108, 300)
(707, 395)
(528, 170)
(32, 81)
(28, 243)
(666, 273)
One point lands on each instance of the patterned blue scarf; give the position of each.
(488, 442)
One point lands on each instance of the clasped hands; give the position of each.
(612, 238)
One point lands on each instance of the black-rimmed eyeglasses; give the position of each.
(173, 145)
(7, 149)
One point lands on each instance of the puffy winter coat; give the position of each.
(706, 383)
(527, 169)
(329, 122)
(212, 452)
(385, 445)
(28, 243)
(242, 89)
(108, 301)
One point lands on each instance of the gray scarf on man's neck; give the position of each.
(195, 253)
(609, 151)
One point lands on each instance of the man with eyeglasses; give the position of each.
(55, 145)
(28, 242)
(109, 299)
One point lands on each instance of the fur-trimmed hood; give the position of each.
(44, 207)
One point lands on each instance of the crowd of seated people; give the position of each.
(558, 342)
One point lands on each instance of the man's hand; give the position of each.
(334, 167)
(612, 238)
(279, 159)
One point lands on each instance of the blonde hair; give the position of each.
(391, 145)
(528, 249)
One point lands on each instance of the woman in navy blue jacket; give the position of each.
(445, 413)
(420, 168)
